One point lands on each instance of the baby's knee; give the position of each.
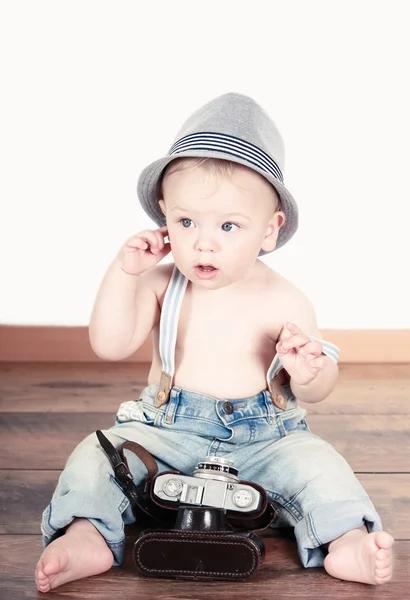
(89, 466)
(88, 453)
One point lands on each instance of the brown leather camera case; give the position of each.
(198, 554)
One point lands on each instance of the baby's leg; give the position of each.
(90, 508)
(80, 552)
(361, 556)
(320, 496)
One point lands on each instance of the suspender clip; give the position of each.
(276, 391)
(164, 389)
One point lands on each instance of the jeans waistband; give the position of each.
(195, 405)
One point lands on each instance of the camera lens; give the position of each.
(216, 467)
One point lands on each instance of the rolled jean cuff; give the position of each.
(328, 522)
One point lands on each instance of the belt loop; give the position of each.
(172, 407)
(270, 410)
(164, 389)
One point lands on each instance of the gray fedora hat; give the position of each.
(230, 127)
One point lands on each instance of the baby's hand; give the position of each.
(143, 251)
(302, 358)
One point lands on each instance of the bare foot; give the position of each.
(80, 552)
(361, 556)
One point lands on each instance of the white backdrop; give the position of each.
(94, 90)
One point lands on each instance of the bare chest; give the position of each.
(224, 345)
(221, 329)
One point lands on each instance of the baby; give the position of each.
(236, 346)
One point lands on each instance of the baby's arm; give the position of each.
(313, 375)
(126, 308)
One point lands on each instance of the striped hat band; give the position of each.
(230, 145)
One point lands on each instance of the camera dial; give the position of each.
(216, 467)
(242, 498)
(172, 487)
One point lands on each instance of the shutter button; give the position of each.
(227, 407)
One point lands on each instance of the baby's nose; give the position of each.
(206, 242)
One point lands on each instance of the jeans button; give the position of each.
(227, 407)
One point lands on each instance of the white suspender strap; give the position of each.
(168, 332)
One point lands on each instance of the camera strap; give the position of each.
(138, 495)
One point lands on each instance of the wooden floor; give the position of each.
(46, 409)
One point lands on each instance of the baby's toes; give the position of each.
(384, 572)
(39, 573)
(383, 575)
(383, 555)
(42, 580)
(384, 566)
(43, 587)
(384, 540)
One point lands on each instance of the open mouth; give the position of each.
(206, 271)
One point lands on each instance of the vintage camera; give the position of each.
(213, 533)
(203, 525)
(214, 483)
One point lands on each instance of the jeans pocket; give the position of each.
(135, 410)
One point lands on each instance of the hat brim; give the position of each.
(148, 182)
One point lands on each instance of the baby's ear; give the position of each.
(162, 206)
(271, 236)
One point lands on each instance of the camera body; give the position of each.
(214, 484)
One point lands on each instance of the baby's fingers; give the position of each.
(163, 230)
(136, 243)
(156, 239)
(295, 341)
(160, 235)
(160, 254)
(312, 348)
(280, 349)
(144, 240)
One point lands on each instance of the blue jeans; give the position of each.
(314, 488)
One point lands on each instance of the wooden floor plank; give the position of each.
(24, 495)
(390, 493)
(280, 577)
(44, 440)
(65, 387)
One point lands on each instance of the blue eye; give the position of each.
(229, 226)
(186, 223)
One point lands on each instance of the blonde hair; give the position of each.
(214, 165)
